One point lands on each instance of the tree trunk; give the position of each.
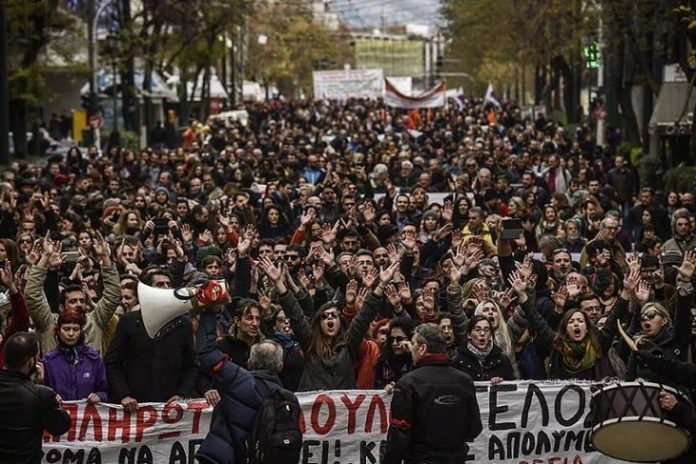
(18, 126)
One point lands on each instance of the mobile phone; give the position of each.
(161, 226)
(70, 256)
(512, 228)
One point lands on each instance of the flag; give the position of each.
(490, 96)
(432, 98)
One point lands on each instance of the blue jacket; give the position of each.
(75, 373)
(234, 416)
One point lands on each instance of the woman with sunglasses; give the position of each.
(653, 323)
(481, 357)
(293, 361)
(329, 349)
(395, 359)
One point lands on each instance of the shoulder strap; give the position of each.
(263, 388)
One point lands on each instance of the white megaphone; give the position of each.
(160, 306)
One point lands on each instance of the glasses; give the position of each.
(25, 240)
(484, 330)
(397, 339)
(649, 315)
(327, 315)
(291, 257)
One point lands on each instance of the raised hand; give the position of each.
(573, 286)
(264, 300)
(270, 269)
(370, 278)
(318, 271)
(395, 252)
(481, 291)
(688, 265)
(368, 212)
(505, 298)
(392, 295)
(307, 218)
(186, 232)
(642, 292)
(245, 240)
(351, 292)
(447, 211)
(560, 297)
(7, 278)
(633, 261)
(526, 268)
(34, 254)
(360, 298)
(328, 232)
(429, 299)
(405, 292)
(659, 275)
(409, 242)
(631, 280)
(517, 283)
(387, 273)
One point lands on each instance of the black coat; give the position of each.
(27, 410)
(434, 413)
(147, 369)
(496, 364)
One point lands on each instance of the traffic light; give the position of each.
(592, 57)
(90, 103)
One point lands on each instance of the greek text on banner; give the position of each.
(524, 423)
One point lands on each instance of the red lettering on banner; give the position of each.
(171, 419)
(145, 418)
(376, 404)
(116, 423)
(301, 422)
(91, 415)
(352, 410)
(330, 420)
(197, 407)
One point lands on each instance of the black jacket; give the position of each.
(434, 413)
(147, 369)
(496, 364)
(27, 410)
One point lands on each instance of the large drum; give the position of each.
(628, 423)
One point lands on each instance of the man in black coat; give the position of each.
(142, 369)
(241, 392)
(26, 409)
(434, 411)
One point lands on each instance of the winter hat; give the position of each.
(671, 257)
(385, 232)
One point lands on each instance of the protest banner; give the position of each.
(348, 83)
(524, 423)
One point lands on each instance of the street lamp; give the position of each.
(112, 40)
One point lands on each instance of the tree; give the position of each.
(32, 24)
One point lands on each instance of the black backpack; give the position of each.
(276, 437)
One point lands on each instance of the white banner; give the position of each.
(432, 98)
(524, 423)
(348, 83)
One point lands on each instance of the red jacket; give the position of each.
(19, 322)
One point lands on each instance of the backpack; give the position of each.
(276, 437)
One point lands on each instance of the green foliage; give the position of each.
(130, 140)
(649, 170)
(681, 179)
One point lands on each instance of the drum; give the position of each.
(628, 423)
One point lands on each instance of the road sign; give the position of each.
(96, 121)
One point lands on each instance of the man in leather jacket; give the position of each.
(434, 411)
(26, 409)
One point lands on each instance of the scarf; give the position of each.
(578, 356)
(70, 351)
(285, 340)
(481, 354)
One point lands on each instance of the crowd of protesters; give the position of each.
(340, 228)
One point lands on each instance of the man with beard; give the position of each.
(27, 409)
(608, 230)
(573, 241)
(683, 239)
(562, 264)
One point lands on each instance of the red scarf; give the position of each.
(432, 358)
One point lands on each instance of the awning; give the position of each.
(671, 108)
(217, 90)
(160, 89)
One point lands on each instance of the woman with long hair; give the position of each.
(578, 349)
(550, 222)
(129, 223)
(329, 348)
(274, 223)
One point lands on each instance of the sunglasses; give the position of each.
(397, 339)
(332, 315)
(291, 257)
(649, 315)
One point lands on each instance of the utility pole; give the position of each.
(4, 92)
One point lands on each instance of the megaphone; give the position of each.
(160, 306)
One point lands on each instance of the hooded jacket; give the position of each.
(76, 372)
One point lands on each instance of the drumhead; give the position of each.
(656, 386)
(637, 439)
